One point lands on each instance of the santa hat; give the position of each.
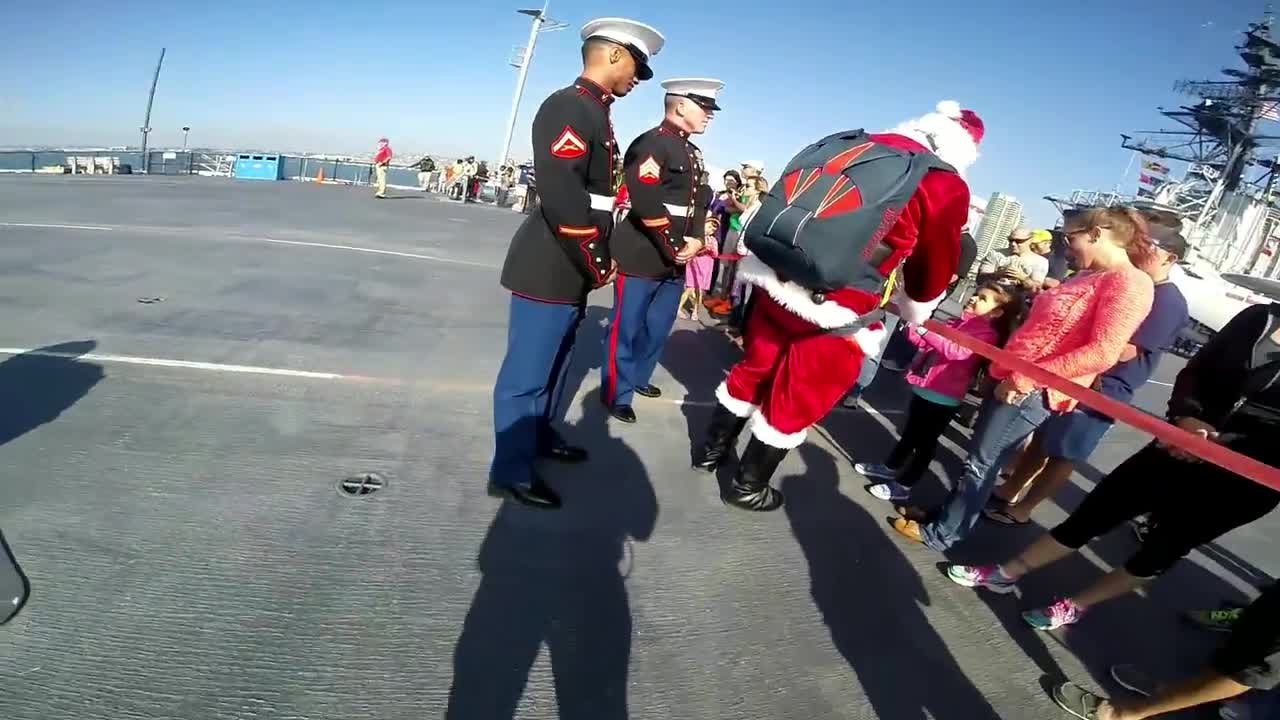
(950, 132)
(968, 119)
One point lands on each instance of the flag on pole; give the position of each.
(1268, 111)
(1153, 167)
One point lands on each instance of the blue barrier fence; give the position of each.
(186, 163)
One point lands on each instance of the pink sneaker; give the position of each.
(1062, 612)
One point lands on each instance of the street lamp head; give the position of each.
(186, 129)
(530, 12)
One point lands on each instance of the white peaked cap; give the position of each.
(637, 36)
(700, 90)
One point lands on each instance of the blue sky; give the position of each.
(1056, 83)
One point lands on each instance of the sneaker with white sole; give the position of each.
(875, 471)
(980, 576)
(1060, 614)
(891, 491)
(1076, 700)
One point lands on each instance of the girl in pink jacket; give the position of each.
(940, 375)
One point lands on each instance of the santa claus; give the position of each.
(794, 370)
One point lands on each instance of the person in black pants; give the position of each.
(1249, 660)
(941, 376)
(1228, 393)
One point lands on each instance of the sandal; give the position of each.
(1002, 517)
(1077, 701)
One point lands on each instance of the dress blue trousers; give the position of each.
(643, 312)
(530, 386)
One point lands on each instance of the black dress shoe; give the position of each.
(565, 453)
(649, 391)
(623, 413)
(536, 495)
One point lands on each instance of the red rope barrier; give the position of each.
(1168, 434)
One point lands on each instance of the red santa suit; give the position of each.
(794, 372)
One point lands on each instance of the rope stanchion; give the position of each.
(1168, 434)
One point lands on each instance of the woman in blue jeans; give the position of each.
(1076, 331)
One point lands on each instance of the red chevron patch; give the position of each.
(568, 146)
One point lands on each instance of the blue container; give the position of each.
(254, 166)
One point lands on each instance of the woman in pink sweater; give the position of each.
(940, 375)
(1076, 331)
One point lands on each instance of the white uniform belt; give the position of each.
(682, 210)
(601, 202)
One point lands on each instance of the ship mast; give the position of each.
(1230, 160)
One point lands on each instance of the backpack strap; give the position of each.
(863, 321)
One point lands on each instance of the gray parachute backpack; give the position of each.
(823, 224)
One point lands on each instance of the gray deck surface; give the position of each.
(191, 557)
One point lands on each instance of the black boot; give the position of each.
(750, 489)
(721, 435)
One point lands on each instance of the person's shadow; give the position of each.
(696, 360)
(37, 386)
(870, 597)
(559, 578)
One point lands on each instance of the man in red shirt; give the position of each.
(381, 160)
(794, 371)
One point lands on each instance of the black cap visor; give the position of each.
(704, 102)
(643, 71)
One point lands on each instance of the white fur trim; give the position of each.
(794, 297)
(741, 408)
(872, 341)
(947, 138)
(914, 311)
(949, 108)
(771, 436)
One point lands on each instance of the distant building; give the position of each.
(1001, 217)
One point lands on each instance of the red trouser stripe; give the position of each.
(611, 390)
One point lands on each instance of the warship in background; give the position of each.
(1226, 196)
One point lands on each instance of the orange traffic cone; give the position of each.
(320, 176)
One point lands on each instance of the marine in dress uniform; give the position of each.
(561, 253)
(663, 175)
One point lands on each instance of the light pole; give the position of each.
(541, 23)
(146, 122)
(185, 130)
